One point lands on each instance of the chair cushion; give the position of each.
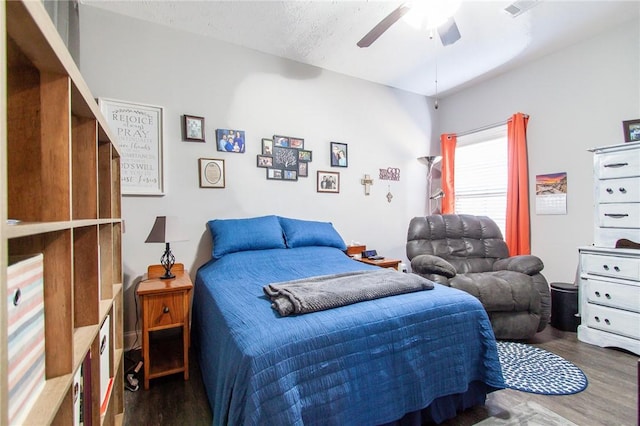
(500, 291)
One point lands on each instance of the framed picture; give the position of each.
(281, 141)
(230, 140)
(303, 169)
(339, 157)
(631, 130)
(139, 131)
(193, 128)
(296, 143)
(328, 182)
(274, 174)
(211, 173)
(265, 161)
(304, 155)
(290, 175)
(285, 158)
(267, 146)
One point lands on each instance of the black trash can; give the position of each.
(564, 306)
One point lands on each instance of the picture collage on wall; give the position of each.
(284, 158)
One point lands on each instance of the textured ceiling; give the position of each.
(325, 33)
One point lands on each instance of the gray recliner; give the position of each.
(468, 253)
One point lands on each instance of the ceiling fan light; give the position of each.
(430, 14)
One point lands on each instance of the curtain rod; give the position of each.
(487, 127)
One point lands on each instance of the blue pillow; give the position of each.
(303, 233)
(233, 235)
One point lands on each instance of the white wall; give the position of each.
(233, 87)
(576, 99)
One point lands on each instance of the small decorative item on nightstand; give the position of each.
(165, 305)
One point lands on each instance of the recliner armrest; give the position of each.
(526, 264)
(428, 264)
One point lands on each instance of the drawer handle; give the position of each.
(16, 297)
(597, 319)
(609, 191)
(165, 309)
(617, 269)
(616, 165)
(606, 321)
(623, 190)
(597, 294)
(607, 295)
(605, 267)
(616, 215)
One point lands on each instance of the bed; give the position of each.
(399, 359)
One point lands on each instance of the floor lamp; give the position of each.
(429, 161)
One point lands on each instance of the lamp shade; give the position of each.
(166, 229)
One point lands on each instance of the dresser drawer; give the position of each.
(607, 237)
(613, 294)
(612, 320)
(617, 164)
(618, 215)
(611, 266)
(625, 190)
(164, 310)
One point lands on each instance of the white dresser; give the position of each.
(609, 276)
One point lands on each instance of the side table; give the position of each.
(165, 305)
(383, 263)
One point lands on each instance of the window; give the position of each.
(481, 175)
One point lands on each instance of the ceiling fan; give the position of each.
(425, 11)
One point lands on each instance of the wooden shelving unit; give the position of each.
(60, 170)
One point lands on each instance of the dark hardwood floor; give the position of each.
(611, 397)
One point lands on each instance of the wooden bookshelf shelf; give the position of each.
(63, 186)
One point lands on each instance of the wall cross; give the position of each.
(367, 182)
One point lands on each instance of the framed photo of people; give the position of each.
(328, 182)
(339, 154)
(230, 140)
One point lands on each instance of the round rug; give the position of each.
(534, 370)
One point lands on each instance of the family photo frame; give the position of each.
(339, 154)
(230, 140)
(631, 130)
(328, 182)
(193, 128)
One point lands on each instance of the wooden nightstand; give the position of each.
(165, 306)
(384, 263)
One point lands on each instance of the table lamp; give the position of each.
(166, 229)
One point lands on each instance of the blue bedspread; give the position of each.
(362, 364)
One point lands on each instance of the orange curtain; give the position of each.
(518, 232)
(448, 149)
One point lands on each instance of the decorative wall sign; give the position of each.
(390, 173)
(229, 140)
(284, 157)
(339, 157)
(211, 173)
(138, 129)
(193, 128)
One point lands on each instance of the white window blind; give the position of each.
(481, 175)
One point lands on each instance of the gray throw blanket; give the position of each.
(331, 291)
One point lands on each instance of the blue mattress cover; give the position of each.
(362, 364)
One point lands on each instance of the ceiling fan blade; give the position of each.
(383, 26)
(448, 32)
